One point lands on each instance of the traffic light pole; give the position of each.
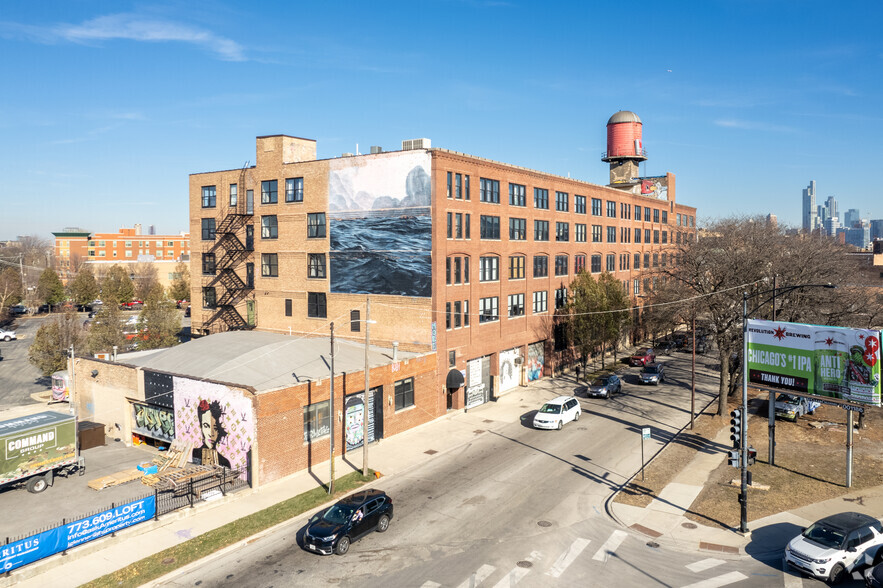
(743, 438)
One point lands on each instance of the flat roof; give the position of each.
(262, 360)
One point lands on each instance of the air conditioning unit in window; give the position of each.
(409, 144)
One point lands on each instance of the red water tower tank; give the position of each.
(624, 137)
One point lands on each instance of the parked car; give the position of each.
(643, 356)
(7, 335)
(832, 548)
(18, 309)
(605, 386)
(335, 528)
(791, 407)
(874, 576)
(557, 412)
(653, 373)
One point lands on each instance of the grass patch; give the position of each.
(159, 564)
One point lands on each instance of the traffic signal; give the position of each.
(736, 428)
(752, 455)
(734, 458)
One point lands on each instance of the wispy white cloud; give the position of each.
(131, 27)
(749, 125)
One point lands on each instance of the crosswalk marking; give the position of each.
(705, 564)
(516, 574)
(430, 584)
(719, 581)
(792, 580)
(610, 545)
(568, 557)
(478, 576)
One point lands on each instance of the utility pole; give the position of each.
(693, 372)
(366, 415)
(331, 417)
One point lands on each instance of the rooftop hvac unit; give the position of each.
(346, 154)
(410, 144)
(376, 149)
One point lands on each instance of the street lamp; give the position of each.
(743, 448)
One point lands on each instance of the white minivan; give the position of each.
(556, 412)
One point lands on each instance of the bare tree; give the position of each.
(10, 288)
(146, 279)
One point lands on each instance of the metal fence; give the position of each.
(200, 488)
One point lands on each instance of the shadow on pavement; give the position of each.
(768, 543)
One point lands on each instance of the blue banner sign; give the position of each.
(36, 547)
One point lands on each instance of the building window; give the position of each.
(489, 191)
(611, 209)
(540, 266)
(288, 307)
(294, 190)
(517, 229)
(664, 258)
(316, 225)
(611, 234)
(208, 196)
(637, 235)
(561, 297)
(208, 230)
(656, 236)
(646, 261)
(579, 204)
(540, 301)
(269, 191)
(450, 185)
(404, 392)
(560, 265)
(664, 237)
(234, 194)
(646, 214)
(355, 321)
(460, 267)
(625, 212)
(316, 305)
(646, 235)
(611, 262)
(488, 309)
(637, 289)
(637, 213)
(655, 215)
(458, 314)
(625, 235)
(458, 186)
(541, 198)
(655, 260)
(516, 267)
(450, 231)
(489, 269)
(679, 219)
(637, 261)
(466, 187)
(270, 265)
(517, 195)
(562, 231)
(579, 263)
(596, 234)
(209, 299)
(540, 230)
(596, 263)
(516, 305)
(596, 207)
(579, 233)
(490, 227)
(269, 227)
(448, 316)
(316, 265)
(665, 217)
(208, 263)
(562, 201)
(317, 421)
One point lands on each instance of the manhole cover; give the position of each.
(544, 523)
(524, 564)
(688, 525)
(652, 544)
(478, 431)
(488, 420)
(430, 452)
(168, 561)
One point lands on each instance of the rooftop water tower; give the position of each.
(625, 150)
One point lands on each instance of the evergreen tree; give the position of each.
(49, 287)
(83, 289)
(160, 322)
(51, 346)
(117, 285)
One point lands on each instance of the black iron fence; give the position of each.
(185, 492)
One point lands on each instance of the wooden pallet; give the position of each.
(115, 479)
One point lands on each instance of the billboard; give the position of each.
(834, 362)
(380, 224)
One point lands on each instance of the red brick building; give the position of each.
(459, 254)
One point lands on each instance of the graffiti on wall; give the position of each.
(216, 420)
(655, 188)
(153, 421)
(535, 361)
(380, 225)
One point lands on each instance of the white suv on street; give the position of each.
(832, 548)
(556, 412)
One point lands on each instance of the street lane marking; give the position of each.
(478, 576)
(792, 579)
(430, 584)
(705, 564)
(568, 557)
(719, 581)
(610, 545)
(517, 574)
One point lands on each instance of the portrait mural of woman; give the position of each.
(213, 433)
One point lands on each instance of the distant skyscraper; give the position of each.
(851, 217)
(859, 235)
(810, 213)
(831, 205)
(876, 229)
(772, 220)
(831, 225)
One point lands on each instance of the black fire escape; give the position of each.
(231, 254)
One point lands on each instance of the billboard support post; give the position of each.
(772, 428)
(849, 427)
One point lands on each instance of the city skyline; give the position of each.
(115, 106)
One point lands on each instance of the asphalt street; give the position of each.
(18, 377)
(516, 505)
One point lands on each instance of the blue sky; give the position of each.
(108, 106)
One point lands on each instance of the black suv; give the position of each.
(333, 529)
